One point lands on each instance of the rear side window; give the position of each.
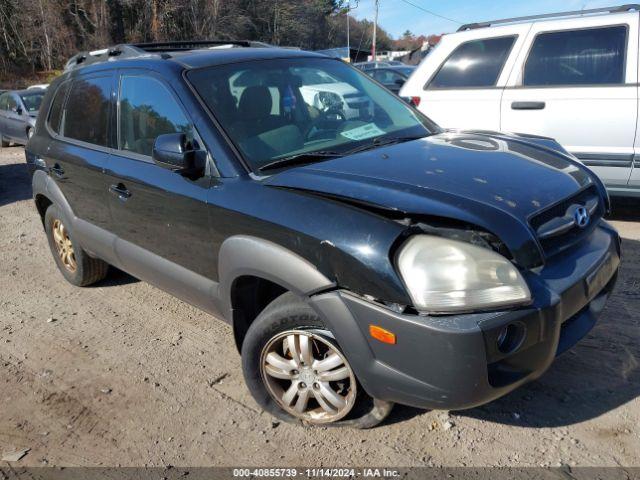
(476, 63)
(147, 110)
(86, 116)
(55, 115)
(594, 56)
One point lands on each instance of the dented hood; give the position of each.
(494, 181)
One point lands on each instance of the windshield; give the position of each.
(32, 101)
(275, 109)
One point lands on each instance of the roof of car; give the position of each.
(28, 91)
(220, 56)
(185, 58)
(396, 67)
(24, 91)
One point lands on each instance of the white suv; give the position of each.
(572, 76)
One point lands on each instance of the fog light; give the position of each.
(511, 337)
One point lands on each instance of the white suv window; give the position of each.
(593, 56)
(476, 63)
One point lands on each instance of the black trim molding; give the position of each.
(623, 160)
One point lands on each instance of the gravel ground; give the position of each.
(124, 374)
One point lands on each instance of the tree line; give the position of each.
(41, 35)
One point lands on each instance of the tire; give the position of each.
(287, 317)
(3, 142)
(86, 270)
(30, 132)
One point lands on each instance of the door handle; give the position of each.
(57, 170)
(120, 190)
(528, 105)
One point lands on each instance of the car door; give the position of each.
(14, 119)
(81, 143)
(160, 217)
(460, 83)
(4, 105)
(576, 82)
(634, 179)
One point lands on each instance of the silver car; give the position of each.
(18, 113)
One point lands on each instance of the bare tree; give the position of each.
(42, 34)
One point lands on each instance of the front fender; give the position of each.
(243, 255)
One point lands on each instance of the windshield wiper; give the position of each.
(383, 142)
(300, 159)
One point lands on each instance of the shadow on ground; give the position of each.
(625, 209)
(599, 374)
(15, 184)
(115, 278)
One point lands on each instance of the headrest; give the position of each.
(255, 102)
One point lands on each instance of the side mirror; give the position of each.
(174, 152)
(400, 81)
(17, 110)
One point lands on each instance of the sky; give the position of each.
(396, 16)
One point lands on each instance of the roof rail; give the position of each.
(619, 9)
(163, 49)
(182, 45)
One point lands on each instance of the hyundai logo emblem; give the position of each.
(581, 217)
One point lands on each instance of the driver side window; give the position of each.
(147, 109)
(11, 103)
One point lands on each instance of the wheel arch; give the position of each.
(254, 271)
(46, 193)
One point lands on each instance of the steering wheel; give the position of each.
(327, 120)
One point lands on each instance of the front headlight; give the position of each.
(329, 100)
(445, 276)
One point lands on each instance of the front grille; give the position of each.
(556, 228)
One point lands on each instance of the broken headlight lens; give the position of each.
(447, 276)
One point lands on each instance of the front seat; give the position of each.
(263, 135)
(254, 112)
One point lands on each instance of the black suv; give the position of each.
(363, 255)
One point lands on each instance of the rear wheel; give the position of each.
(295, 370)
(73, 262)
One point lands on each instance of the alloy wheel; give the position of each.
(64, 247)
(308, 376)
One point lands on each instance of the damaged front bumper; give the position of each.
(459, 361)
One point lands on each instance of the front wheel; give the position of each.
(3, 142)
(295, 370)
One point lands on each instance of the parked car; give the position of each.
(361, 261)
(18, 113)
(392, 77)
(571, 76)
(326, 93)
(378, 64)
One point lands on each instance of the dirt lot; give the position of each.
(124, 374)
